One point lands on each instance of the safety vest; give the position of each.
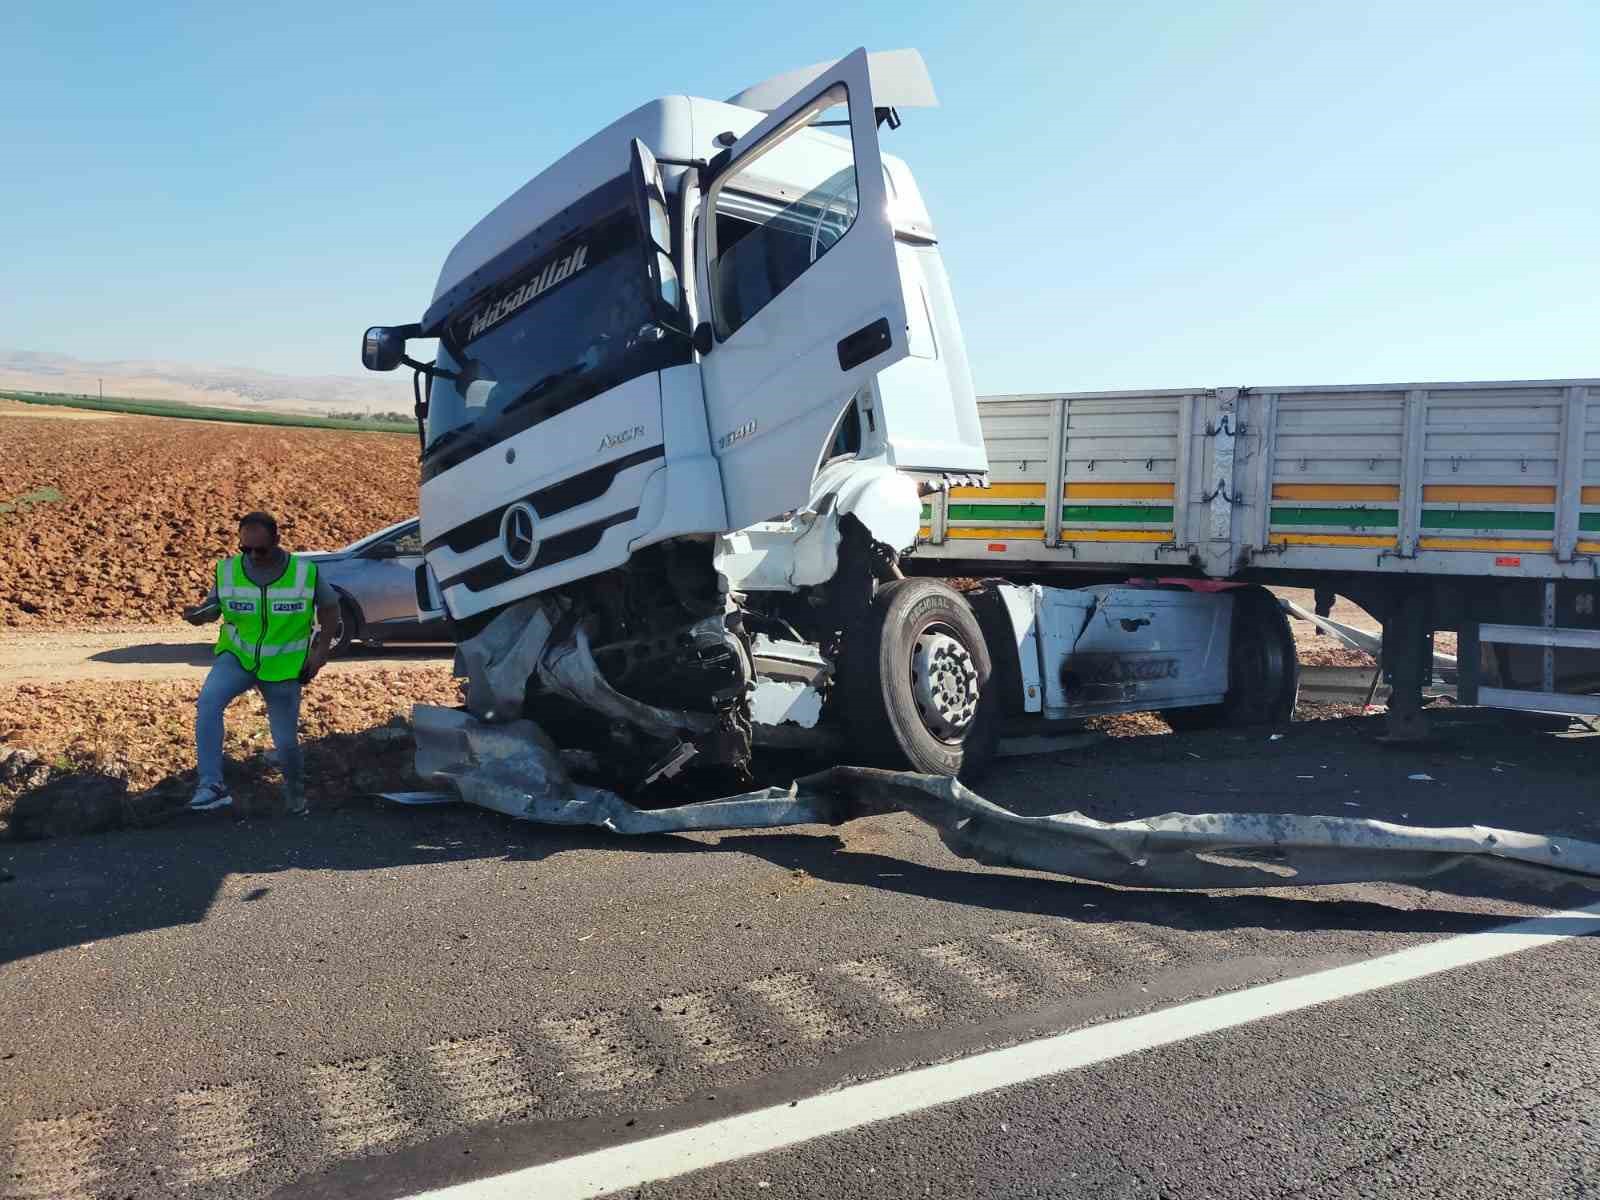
(267, 627)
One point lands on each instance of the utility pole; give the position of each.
(102, 383)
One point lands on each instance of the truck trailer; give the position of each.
(704, 471)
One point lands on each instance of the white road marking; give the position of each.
(1041, 947)
(798, 1004)
(602, 1054)
(984, 977)
(632, 1164)
(1123, 941)
(704, 1025)
(883, 980)
(483, 1077)
(57, 1159)
(216, 1132)
(358, 1106)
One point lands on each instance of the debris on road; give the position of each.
(515, 769)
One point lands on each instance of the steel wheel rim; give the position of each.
(944, 683)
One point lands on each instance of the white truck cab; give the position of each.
(615, 378)
(695, 382)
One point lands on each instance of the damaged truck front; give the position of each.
(694, 383)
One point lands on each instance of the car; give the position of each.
(376, 578)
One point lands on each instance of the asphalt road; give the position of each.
(372, 1001)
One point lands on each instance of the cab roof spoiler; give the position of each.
(899, 80)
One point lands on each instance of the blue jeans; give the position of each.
(228, 681)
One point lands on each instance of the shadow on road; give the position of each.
(200, 654)
(828, 858)
(86, 888)
(195, 654)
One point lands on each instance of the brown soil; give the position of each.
(148, 505)
(1318, 649)
(144, 732)
(1146, 724)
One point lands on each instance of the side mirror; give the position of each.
(383, 550)
(655, 236)
(703, 341)
(383, 347)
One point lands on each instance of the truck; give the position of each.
(704, 470)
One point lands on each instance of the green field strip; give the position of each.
(199, 412)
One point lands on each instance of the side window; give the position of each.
(409, 542)
(782, 207)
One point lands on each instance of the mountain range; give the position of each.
(229, 387)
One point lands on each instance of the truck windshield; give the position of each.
(574, 323)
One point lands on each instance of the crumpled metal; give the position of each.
(502, 657)
(521, 644)
(515, 769)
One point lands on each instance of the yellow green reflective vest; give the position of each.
(267, 627)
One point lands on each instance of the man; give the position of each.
(265, 597)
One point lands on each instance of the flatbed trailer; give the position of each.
(1467, 506)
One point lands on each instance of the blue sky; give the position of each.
(1129, 194)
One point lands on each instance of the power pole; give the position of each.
(102, 384)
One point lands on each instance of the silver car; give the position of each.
(376, 578)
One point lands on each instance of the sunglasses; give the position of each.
(264, 552)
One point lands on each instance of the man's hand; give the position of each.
(201, 614)
(315, 661)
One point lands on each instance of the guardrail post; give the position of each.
(1469, 663)
(1408, 662)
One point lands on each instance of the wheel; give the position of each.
(1263, 670)
(913, 680)
(344, 633)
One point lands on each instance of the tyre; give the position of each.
(914, 678)
(1263, 670)
(344, 633)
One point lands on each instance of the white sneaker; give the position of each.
(209, 796)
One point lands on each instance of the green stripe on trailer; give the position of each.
(1122, 514)
(927, 512)
(1589, 520)
(998, 512)
(1149, 514)
(1348, 518)
(1452, 518)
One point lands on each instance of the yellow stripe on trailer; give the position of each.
(1116, 535)
(1070, 491)
(1000, 491)
(999, 535)
(1117, 491)
(1442, 543)
(1336, 491)
(1489, 493)
(1589, 547)
(925, 531)
(1330, 539)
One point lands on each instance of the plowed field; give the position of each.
(123, 519)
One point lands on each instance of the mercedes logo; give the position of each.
(518, 542)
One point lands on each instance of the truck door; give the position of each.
(802, 288)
